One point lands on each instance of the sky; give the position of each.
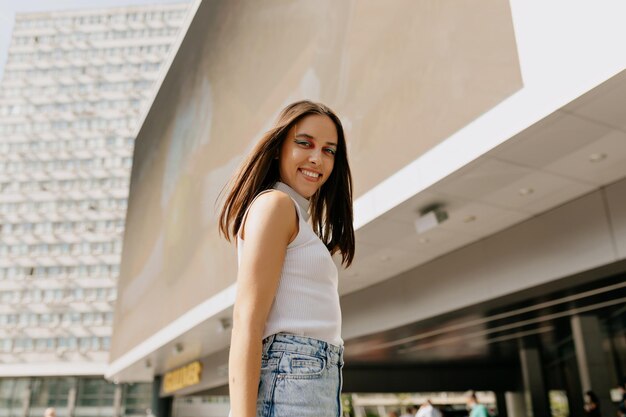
(8, 8)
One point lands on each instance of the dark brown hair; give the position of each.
(331, 205)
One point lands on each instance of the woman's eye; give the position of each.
(301, 142)
(331, 151)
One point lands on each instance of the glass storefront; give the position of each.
(136, 399)
(95, 398)
(49, 392)
(73, 397)
(13, 393)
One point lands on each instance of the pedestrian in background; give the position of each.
(592, 405)
(621, 407)
(476, 408)
(407, 412)
(428, 410)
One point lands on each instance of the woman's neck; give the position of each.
(302, 201)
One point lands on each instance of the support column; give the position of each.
(592, 366)
(71, 399)
(501, 404)
(26, 399)
(161, 406)
(515, 404)
(575, 398)
(117, 401)
(534, 386)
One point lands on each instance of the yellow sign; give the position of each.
(183, 377)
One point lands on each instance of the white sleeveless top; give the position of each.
(307, 298)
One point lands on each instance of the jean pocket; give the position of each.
(271, 361)
(302, 366)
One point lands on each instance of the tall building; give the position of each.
(74, 88)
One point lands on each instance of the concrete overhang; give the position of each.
(579, 148)
(558, 157)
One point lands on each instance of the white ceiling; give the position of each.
(544, 166)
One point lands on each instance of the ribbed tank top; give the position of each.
(307, 299)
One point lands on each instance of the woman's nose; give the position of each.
(315, 156)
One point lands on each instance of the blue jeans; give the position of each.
(300, 377)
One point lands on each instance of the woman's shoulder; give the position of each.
(271, 209)
(272, 200)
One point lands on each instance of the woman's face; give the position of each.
(307, 155)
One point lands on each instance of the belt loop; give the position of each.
(329, 353)
(267, 343)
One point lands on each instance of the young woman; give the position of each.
(286, 351)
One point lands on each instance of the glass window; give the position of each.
(40, 344)
(137, 398)
(6, 345)
(11, 395)
(49, 392)
(94, 392)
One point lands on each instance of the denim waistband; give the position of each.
(302, 344)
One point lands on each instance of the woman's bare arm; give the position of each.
(270, 223)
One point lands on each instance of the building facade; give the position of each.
(488, 148)
(72, 95)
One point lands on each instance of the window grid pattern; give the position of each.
(74, 87)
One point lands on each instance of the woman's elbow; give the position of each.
(247, 322)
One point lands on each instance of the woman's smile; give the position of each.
(310, 175)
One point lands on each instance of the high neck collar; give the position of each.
(302, 201)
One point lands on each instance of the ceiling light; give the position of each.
(597, 157)
(469, 219)
(430, 217)
(224, 324)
